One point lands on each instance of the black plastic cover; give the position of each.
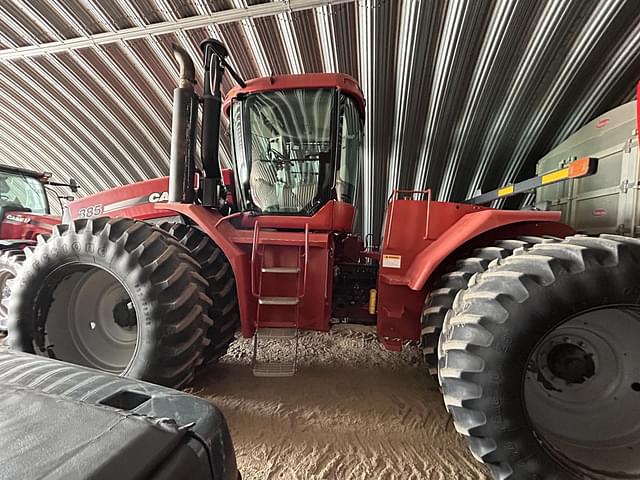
(63, 421)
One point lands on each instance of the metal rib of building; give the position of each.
(462, 95)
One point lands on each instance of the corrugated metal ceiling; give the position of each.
(462, 95)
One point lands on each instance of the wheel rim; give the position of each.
(582, 392)
(92, 321)
(5, 276)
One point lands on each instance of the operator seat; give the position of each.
(6, 204)
(274, 189)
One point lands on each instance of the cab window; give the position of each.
(350, 151)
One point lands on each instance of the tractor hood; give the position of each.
(136, 200)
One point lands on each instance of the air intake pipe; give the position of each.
(214, 53)
(215, 63)
(185, 113)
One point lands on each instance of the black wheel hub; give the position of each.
(124, 314)
(571, 363)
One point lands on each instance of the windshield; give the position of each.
(22, 191)
(283, 148)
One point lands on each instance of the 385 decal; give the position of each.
(121, 205)
(91, 211)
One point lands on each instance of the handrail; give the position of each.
(396, 196)
(254, 248)
(227, 218)
(396, 193)
(306, 259)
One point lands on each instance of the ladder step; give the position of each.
(274, 369)
(284, 333)
(275, 352)
(279, 300)
(280, 269)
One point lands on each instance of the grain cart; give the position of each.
(24, 214)
(270, 247)
(606, 202)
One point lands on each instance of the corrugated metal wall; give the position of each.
(462, 95)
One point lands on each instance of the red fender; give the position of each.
(475, 224)
(401, 287)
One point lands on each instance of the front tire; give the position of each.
(117, 295)
(456, 278)
(10, 263)
(539, 362)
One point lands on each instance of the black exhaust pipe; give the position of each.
(185, 113)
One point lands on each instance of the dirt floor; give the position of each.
(353, 411)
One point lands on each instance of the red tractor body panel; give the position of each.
(236, 236)
(26, 225)
(436, 234)
(134, 201)
(419, 236)
(427, 240)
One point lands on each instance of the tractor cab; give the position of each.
(22, 190)
(296, 142)
(24, 207)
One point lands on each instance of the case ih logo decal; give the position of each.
(16, 218)
(156, 197)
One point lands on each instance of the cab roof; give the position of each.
(341, 81)
(22, 171)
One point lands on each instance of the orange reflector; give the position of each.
(581, 167)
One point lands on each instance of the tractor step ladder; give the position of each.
(285, 339)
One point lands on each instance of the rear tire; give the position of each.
(444, 290)
(539, 362)
(10, 263)
(118, 295)
(217, 270)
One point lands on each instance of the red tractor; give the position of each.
(24, 214)
(268, 248)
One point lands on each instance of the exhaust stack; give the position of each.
(185, 112)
